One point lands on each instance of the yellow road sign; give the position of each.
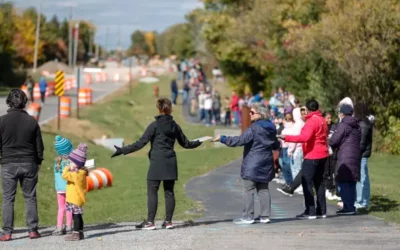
(59, 88)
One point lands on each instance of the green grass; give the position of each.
(384, 174)
(127, 199)
(5, 90)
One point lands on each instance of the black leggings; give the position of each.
(78, 222)
(152, 199)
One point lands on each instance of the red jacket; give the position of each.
(235, 103)
(314, 136)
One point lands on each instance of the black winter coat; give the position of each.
(347, 139)
(20, 138)
(366, 138)
(162, 134)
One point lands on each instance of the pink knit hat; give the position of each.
(78, 156)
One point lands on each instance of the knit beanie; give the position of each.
(346, 109)
(62, 145)
(78, 156)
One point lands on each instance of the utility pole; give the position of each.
(76, 44)
(97, 51)
(35, 55)
(70, 38)
(106, 44)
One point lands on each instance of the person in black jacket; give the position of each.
(21, 157)
(363, 187)
(162, 134)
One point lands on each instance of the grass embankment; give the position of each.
(384, 174)
(127, 199)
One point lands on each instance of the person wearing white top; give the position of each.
(208, 104)
(202, 98)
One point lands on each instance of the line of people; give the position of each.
(314, 154)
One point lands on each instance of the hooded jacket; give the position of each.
(314, 137)
(162, 135)
(76, 186)
(347, 139)
(258, 140)
(296, 130)
(60, 183)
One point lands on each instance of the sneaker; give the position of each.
(286, 190)
(305, 216)
(243, 221)
(167, 225)
(335, 197)
(263, 219)
(146, 225)
(5, 237)
(344, 212)
(34, 235)
(75, 236)
(59, 231)
(328, 195)
(68, 230)
(321, 216)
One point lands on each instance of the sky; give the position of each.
(114, 15)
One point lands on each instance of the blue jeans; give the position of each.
(236, 117)
(348, 193)
(208, 116)
(185, 96)
(202, 114)
(284, 161)
(363, 187)
(174, 96)
(296, 161)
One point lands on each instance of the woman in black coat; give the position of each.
(162, 134)
(347, 139)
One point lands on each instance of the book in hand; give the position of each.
(204, 138)
(90, 164)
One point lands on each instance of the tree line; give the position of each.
(327, 49)
(17, 41)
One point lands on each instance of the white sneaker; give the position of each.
(263, 220)
(299, 191)
(329, 195)
(335, 198)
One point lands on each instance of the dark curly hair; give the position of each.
(16, 99)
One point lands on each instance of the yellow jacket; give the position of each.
(76, 186)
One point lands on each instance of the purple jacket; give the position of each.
(346, 139)
(258, 140)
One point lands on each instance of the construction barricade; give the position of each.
(34, 110)
(50, 89)
(84, 96)
(36, 92)
(98, 179)
(65, 107)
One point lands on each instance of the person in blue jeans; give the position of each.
(347, 140)
(43, 88)
(363, 187)
(174, 91)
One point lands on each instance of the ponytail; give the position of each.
(164, 105)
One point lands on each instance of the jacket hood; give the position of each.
(297, 115)
(266, 125)
(166, 124)
(351, 121)
(317, 113)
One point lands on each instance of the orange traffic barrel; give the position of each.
(88, 78)
(82, 98)
(36, 91)
(98, 178)
(34, 110)
(65, 107)
(25, 89)
(88, 96)
(50, 89)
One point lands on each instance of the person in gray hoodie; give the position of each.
(257, 169)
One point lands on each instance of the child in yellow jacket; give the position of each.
(75, 175)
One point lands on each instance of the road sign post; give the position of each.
(59, 91)
(78, 82)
